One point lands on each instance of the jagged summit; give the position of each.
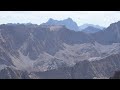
(69, 19)
(69, 23)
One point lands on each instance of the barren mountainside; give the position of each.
(54, 51)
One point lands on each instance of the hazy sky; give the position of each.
(103, 18)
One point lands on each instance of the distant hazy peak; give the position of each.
(86, 25)
(69, 23)
(50, 20)
(53, 20)
(70, 19)
(91, 29)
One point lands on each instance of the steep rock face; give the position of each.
(109, 35)
(45, 40)
(14, 35)
(23, 43)
(5, 59)
(116, 75)
(103, 68)
(61, 73)
(10, 73)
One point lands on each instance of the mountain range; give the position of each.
(90, 25)
(72, 25)
(69, 23)
(91, 29)
(53, 51)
